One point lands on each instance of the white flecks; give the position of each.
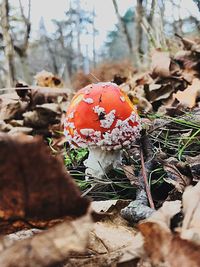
(117, 147)
(123, 134)
(98, 110)
(71, 115)
(87, 91)
(69, 124)
(122, 98)
(132, 117)
(88, 100)
(87, 131)
(107, 84)
(108, 119)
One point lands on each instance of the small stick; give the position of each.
(94, 77)
(144, 174)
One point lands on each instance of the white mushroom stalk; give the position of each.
(102, 118)
(100, 162)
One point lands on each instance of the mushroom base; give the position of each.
(101, 161)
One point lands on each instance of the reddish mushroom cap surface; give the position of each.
(101, 115)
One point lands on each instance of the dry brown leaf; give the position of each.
(188, 97)
(167, 249)
(49, 248)
(191, 210)
(112, 240)
(48, 79)
(174, 174)
(164, 214)
(130, 174)
(108, 237)
(35, 184)
(160, 64)
(11, 106)
(194, 163)
(160, 92)
(111, 206)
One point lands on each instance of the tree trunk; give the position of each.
(139, 32)
(9, 49)
(93, 39)
(124, 29)
(79, 57)
(152, 12)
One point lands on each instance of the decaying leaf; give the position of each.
(130, 174)
(164, 214)
(109, 206)
(194, 163)
(174, 174)
(169, 250)
(49, 248)
(191, 210)
(11, 106)
(48, 79)
(160, 64)
(188, 97)
(33, 183)
(112, 241)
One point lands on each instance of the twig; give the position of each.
(147, 188)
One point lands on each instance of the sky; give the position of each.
(105, 20)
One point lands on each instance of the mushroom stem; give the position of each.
(101, 161)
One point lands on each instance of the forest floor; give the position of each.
(42, 208)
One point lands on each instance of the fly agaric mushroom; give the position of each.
(102, 118)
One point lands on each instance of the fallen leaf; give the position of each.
(112, 241)
(162, 247)
(191, 209)
(49, 248)
(175, 175)
(160, 64)
(194, 164)
(48, 79)
(34, 183)
(189, 96)
(11, 106)
(130, 174)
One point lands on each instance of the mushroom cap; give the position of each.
(101, 115)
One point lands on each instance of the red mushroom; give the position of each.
(102, 118)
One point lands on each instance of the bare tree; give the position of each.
(124, 29)
(93, 38)
(47, 41)
(22, 48)
(139, 32)
(8, 43)
(78, 30)
(152, 12)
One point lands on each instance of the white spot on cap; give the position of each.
(88, 100)
(122, 98)
(98, 110)
(108, 120)
(87, 131)
(71, 115)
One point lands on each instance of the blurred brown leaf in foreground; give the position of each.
(49, 248)
(34, 184)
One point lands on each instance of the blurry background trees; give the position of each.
(145, 25)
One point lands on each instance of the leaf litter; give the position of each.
(170, 88)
